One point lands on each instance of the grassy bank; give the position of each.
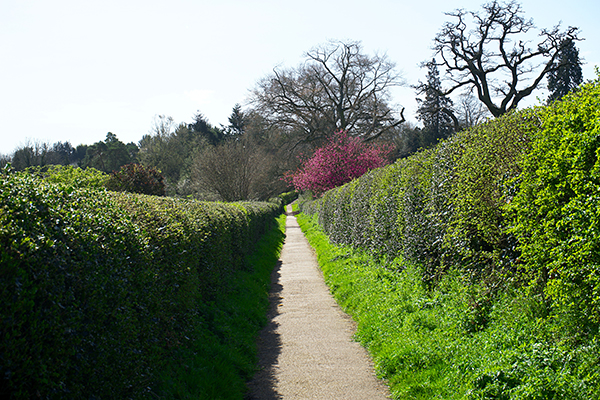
(458, 340)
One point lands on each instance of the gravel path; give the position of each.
(306, 351)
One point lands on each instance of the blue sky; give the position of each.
(75, 70)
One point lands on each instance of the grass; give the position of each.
(455, 341)
(224, 356)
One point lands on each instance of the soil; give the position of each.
(306, 351)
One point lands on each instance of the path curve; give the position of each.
(306, 351)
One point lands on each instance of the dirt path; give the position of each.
(306, 351)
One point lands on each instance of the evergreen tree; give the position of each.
(566, 73)
(435, 110)
(201, 125)
(109, 155)
(237, 122)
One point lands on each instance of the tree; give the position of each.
(435, 110)
(61, 154)
(237, 122)
(336, 88)
(109, 155)
(340, 160)
(30, 154)
(233, 170)
(566, 73)
(171, 149)
(211, 133)
(494, 57)
(470, 111)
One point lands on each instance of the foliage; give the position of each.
(430, 343)
(557, 207)
(70, 177)
(223, 358)
(284, 198)
(438, 207)
(473, 266)
(135, 178)
(566, 74)
(103, 290)
(340, 160)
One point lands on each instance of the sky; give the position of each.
(73, 70)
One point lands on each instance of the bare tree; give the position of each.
(470, 111)
(494, 56)
(234, 170)
(338, 87)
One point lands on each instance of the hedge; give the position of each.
(99, 288)
(515, 199)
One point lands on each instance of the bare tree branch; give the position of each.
(337, 87)
(493, 58)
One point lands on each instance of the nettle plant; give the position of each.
(342, 159)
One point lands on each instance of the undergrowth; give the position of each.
(458, 340)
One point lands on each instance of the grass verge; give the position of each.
(456, 341)
(225, 355)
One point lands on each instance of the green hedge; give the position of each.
(100, 289)
(439, 207)
(515, 199)
(556, 209)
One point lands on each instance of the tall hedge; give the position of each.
(99, 288)
(556, 210)
(440, 207)
(514, 199)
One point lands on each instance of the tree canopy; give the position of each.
(490, 52)
(435, 109)
(337, 87)
(566, 74)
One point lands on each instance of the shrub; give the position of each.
(69, 176)
(342, 159)
(135, 178)
(102, 289)
(556, 207)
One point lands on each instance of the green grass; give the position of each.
(456, 341)
(225, 357)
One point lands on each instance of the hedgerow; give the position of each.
(101, 289)
(509, 212)
(441, 206)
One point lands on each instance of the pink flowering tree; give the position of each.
(342, 159)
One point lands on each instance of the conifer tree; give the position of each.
(566, 74)
(435, 110)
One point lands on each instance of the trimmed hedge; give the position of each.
(100, 289)
(439, 207)
(515, 199)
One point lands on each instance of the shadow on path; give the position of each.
(262, 386)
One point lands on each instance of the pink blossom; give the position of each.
(342, 159)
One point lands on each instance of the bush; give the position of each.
(557, 222)
(135, 178)
(103, 289)
(69, 176)
(501, 225)
(342, 159)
